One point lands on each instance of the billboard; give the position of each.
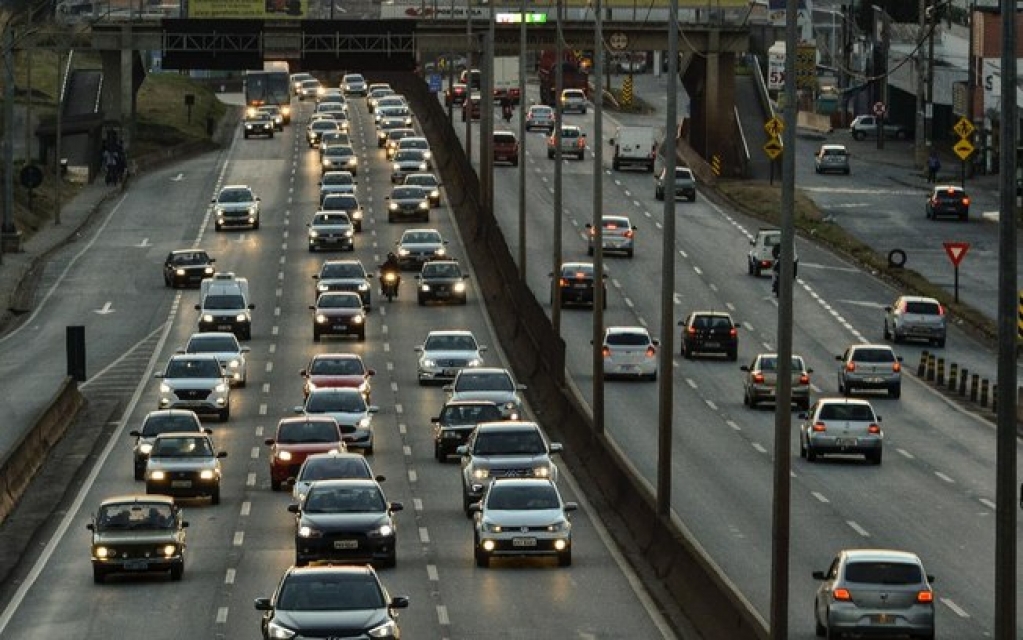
(252, 9)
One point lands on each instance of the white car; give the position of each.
(236, 205)
(331, 230)
(353, 84)
(488, 383)
(629, 352)
(444, 353)
(618, 234)
(418, 246)
(522, 517)
(228, 351)
(195, 382)
(417, 142)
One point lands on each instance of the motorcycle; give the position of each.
(506, 112)
(389, 282)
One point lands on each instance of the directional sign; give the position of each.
(774, 127)
(773, 148)
(963, 149)
(964, 128)
(956, 251)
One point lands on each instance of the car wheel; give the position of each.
(565, 558)
(895, 391)
(482, 558)
(316, 336)
(686, 352)
(225, 413)
(140, 472)
(659, 194)
(629, 253)
(733, 355)
(177, 571)
(874, 457)
(752, 401)
(802, 449)
(390, 561)
(940, 342)
(275, 484)
(217, 227)
(368, 451)
(811, 455)
(215, 496)
(819, 630)
(887, 333)
(756, 270)
(438, 451)
(98, 575)
(466, 501)
(362, 336)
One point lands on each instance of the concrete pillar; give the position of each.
(110, 95)
(124, 81)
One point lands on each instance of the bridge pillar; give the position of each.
(122, 77)
(710, 82)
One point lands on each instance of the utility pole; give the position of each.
(922, 71)
(7, 228)
(971, 85)
(932, 26)
(598, 226)
(559, 83)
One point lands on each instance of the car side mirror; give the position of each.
(246, 349)
(396, 506)
(251, 306)
(556, 447)
(481, 348)
(803, 415)
(299, 409)
(90, 527)
(819, 575)
(371, 372)
(293, 508)
(475, 507)
(221, 454)
(838, 357)
(809, 370)
(610, 142)
(462, 450)
(269, 442)
(744, 368)
(570, 506)
(888, 309)
(372, 408)
(198, 307)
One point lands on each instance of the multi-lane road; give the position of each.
(238, 549)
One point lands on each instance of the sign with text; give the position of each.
(251, 9)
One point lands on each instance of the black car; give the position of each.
(709, 332)
(346, 520)
(330, 602)
(441, 281)
(948, 200)
(408, 203)
(259, 124)
(187, 267)
(456, 421)
(574, 284)
(345, 202)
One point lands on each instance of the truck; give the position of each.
(866, 127)
(634, 146)
(573, 75)
(506, 79)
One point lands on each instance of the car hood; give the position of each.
(226, 356)
(451, 355)
(346, 521)
(441, 279)
(340, 313)
(308, 448)
(523, 517)
(337, 381)
(321, 228)
(193, 383)
(408, 202)
(135, 536)
(344, 418)
(322, 624)
(421, 246)
(182, 464)
(505, 461)
(235, 206)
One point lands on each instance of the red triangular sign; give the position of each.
(956, 251)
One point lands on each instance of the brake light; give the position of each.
(841, 594)
(651, 352)
(966, 201)
(896, 367)
(629, 233)
(941, 310)
(692, 331)
(850, 366)
(758, 377)
(819, 427)
(732, 332)
(804, 379)
(607, 352)
(579, 275)
(563, 282)
(925, 596)
(873, 429)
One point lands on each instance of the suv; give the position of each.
(488, 383)
(135, 534)
(709, 332)
(457, 419)
(184, 465)
(573, 142)
(225, 346)
(948, 200)
(353, 84)
(831, 157)
(297, 438)
(915, 317)
(841, 426)
(339, 313)
(155, 423)
(224, 305)
(444, 353)
(259, 123)
(506, 147)
(685, 184)
(573, 100)
(866, 127)
(236, 206)
(870, 366)
(195, 382)
(762, 256)
(510, 449)
(522, 517)
(441, 281)
(345, 275)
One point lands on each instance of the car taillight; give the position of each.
(732, 332)
(692, 331)
(758, 377)
(804, 379)
(841, 594)
(966, 201)
(607, 352)
(651, 352)
(896, 367)
(629, 233)
(819, 427)
(563, 282)
(941, 310)
(925, 596)
(850, 366)
(873, 429)
(580, 275)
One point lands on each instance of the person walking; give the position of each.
(933, 166)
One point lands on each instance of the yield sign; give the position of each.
(956, 251)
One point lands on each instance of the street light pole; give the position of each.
(596, 219)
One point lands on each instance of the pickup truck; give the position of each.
(866, 127)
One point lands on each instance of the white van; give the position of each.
(225, 305)
(634, 146)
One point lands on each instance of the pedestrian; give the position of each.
(933, 166)
(110, 165)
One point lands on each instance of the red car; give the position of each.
(334, 370)
(296, 439)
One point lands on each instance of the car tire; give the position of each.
(275, 484)
(390, 561)
(99, 575)
(895, 391)
(874, 457)
(368, 451)
(466, 501)
(316, 336)
(215, 496)
(224, 414)
(629, 253)
(940, 343)
(482, 558)
(177, 571)
(589, 251)
(362, 336)
(819, 630)
(802, 449)
(963, 217)
(565, 558)
(659, 194)
(733, 355)
(887, 334)
(751, 401)
(438, 451)
(811, 455)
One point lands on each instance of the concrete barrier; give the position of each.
(21, 464)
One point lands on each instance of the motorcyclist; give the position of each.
(506, 108)
(390, 265)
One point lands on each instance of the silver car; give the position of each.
(348, 406)
(444, 353)
(618, 234)
(331, 230)
(841, 426)
(573, 100)
(870, 366)
(418, 246)
(488, 383)
(236, 205)
(155, 423)
(332, 465)
(760, 381)
(195, 382)
(408, 161)
(509, 449)
(185, 465)
(225, 346)
(629, 352)
(915, 317)
(831, 157)
(873, 592)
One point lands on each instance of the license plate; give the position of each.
(846, 442)
(442, 294)
(883, 618)
(181, 484)
(874, 380)
(628, 367)
(580, 285)
(346, 544)
(223, 327)
(332, 240)
(523, 542)
(711, 344)
(450, 372)
(135, 565)
(340, 326)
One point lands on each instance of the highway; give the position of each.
(238, 549)
(934, 493)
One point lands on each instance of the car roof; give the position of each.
(145, 498)
(643, 330)
(335, 390)
(508, 425)
(833, 147)
(316, 417)
(194, 356)
(523, 482)
(881, 555)
(169, 412)
(909, 298)
(482, 370)
(857, 347)
(841, 400)
(619, 218)
(348, 482)
(178, 252)
(182, 434)
(450, 332)
(337, 356)
(210, 334)
(712, 313)
(338, 294)
(468, 403)
(349, 569)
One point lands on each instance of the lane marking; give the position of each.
(820, 497)
(857, 528)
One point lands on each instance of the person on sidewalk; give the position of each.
(933, 166)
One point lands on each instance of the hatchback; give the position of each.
(760, 381)
(540, 116)
(574, 284)
(573, 100)
(948, 200)
(629, 352)
(506, 147)
(872, 592)
(915, 317)
(522, 517)
(573, 142)
(831, 157)
(870, 366)
(297, 438)
(618, 234)
(709, 332)
(841, 426)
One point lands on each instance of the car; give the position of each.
(393, 136)
(441, 281)
(137, 534)
(236, 205)
(456, 421)
(393, 111)
(297, 79)
(224, 305)
(427, 181)
(488, 383)
(445, 352)
(187, 267)
(506, 147)
(760, 380)
(417, 142)
(948, 200)
(276, 114)
(332, 465)
(870, 366)
(915, 318)
(337, 371)
(195, 382)
(258, 124)
(574, 284)
(349, 407)
(309, 88)
(408, 203)
(184, 465)
(473, 78)
(618, 235)
(831, 157)
(418, 246)
(330, 95)
(345, 275)
(872, 592)
(766, 247)
(522, 517)
(573, 100)
(337, 182)
(296, 438)
(841, 426)
(455, 94)
(339, 313)
(353, 84)
(685, 184)
(376, 91)
(573, 142)
(471, 106)
(225, 347)
(346, 521)
(155, 423)
(408, 161)
(390, 101)
(335, 601)
(386, 126)
(339, 157)
(709, 332)
(347, 203)
(331, 230)
(316, 128)
(629, 352)
(328, 138)
(866, 126)
(540, 116)
(506, 449)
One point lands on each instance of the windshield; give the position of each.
(340, 203)
(421, 237)
(337, 592)
(214, 344)
(508, 443)
(329, 468)
(409, 155)
(198, 447)
(450, 343)
(632, 339)
(135, 516)
(883, 573)
(308, 431)
(336, 367)
(155, 425)
(328, 301)
(339, 218)
(484, 382)
(504, 497)
(226, 301)
(329, 499)
(336, 402)
(191, 368)
(338, 178)
(235, 195)
(407, 193)
(470, 414)
(443, 270)
(183, 259)
(342, 270)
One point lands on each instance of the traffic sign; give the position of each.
(618, 41)
(956, 251)
(880, 109)
(774, 127)
(964, 128)
(773, 148)
(963, 149)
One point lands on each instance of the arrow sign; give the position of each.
(956, 251)
(143, 244)
(178, 178)
(105, 310)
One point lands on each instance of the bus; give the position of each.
(270, 86)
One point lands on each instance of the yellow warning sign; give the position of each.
(963, 149)
(773, 148)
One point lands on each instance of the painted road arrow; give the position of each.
(105, 310)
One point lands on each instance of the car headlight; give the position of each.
(356, 214)
(402, 251)
(396, 167)
(165, 388)
(326, 161)
(207, 317)
(145, 448)
(219, 211)
(349, 233)
(424, 287)
(313, 233)
(427, 363)
(252, 211)
(275, 631)
(476, 362)
(358, 318)
(384, 531)
(179, 272)
(459, 287)
(322, 287)
(248, 125)
(480, 473)
(364, 423)
(440, 251)
(427, 155)
(422, 166)
(305, 531)
(158, 475)
(393, 206)
(408, 122)
(490, 527)
(221, 388)
(207, 474)
(234, 364)
(169, 550)
(424, 205)
(240, 317)
(541, 472)
(363, 287)
(353, 160)
(364, 387)
(435, 193)
(559, 526)
(320, 318)
(208, 271)
(386, 630)
(284, 455)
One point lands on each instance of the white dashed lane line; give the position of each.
(857, 528)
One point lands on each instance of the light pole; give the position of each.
(598, 226)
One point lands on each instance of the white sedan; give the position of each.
(629, 352)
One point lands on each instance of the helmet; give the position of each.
(391, 256)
